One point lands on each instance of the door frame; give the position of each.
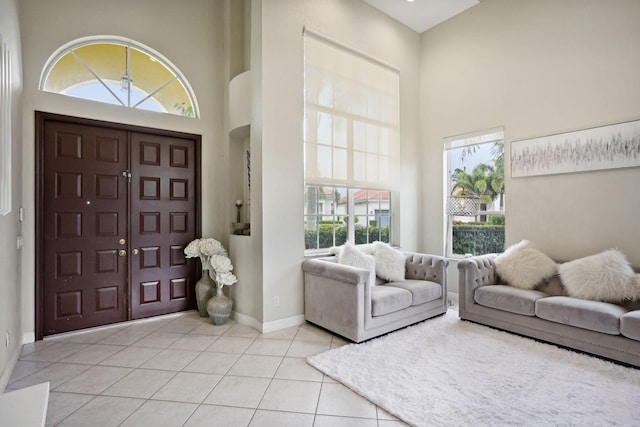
(40, 119)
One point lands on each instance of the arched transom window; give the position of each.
(119, 71)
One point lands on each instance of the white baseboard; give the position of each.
(266, 327)
(28, 337)
(243, 319)
(289, 322)
(11, 363)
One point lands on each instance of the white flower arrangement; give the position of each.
(214, 258)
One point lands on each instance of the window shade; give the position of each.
(351, 130)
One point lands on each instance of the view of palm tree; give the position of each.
(484, 233)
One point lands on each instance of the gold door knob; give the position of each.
(122, 252)
(122, 241)
(135, 252)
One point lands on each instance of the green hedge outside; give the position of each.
(325, 234)
(477, 238)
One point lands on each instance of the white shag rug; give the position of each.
(448, 372)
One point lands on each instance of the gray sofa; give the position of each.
(604, 329)
(342, 299)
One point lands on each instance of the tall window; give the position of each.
(475, 167)
(351, 144)
(121, 72)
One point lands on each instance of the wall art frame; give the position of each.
(604, 147)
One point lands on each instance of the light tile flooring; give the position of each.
(183, 371)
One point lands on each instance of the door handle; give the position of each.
(122, 252)
(122, 241)
(135, 252)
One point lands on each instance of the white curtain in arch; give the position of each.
(351, 129)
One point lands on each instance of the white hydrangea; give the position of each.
(193, 249)
(214, 257)
(221, 263)
(210, 246)
(226, 278)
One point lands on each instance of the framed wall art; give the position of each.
(605, 147)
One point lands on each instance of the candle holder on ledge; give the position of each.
(240, 228)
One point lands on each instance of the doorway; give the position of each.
(116, 205)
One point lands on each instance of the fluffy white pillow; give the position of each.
(367, 249)
(523, 266)
(606, 276)
(351, 255)
(390, 263)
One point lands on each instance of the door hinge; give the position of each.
(127, 175)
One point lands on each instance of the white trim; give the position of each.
(267, 327)
(288, 322)
(11, 364)
(28, 337)
(474, 138)
(243, 319)
(5, 128)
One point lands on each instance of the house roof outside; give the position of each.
(362, 196)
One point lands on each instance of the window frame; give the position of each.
(451, 144)
(350, 213)
(69, 48)
(351, 134)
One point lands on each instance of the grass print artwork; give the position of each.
(606, 147)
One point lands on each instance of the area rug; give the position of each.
(448, 372)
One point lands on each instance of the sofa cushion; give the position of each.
(421, 290)
(630, 325)
(390, 263)
(606, 276)
(507, 298)
(593, 315)
(387, 299)
(523, 266)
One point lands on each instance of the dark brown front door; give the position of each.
(116, 208)
(85, 200)
(162, 223)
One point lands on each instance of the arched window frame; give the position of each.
(129, 44)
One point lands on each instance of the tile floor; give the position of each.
(183, 371)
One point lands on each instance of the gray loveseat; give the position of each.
(605, 329)
(342, 299)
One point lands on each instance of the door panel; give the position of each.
(84, 218)
(163, 202)
(116, 206)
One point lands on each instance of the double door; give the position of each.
(118, 205)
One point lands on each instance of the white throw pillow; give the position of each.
(351, 255)
(390, 263)
(523, 266)
(366, 248)
(606, 276)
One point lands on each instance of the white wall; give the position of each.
(189, 34)
(10, 227)
(357, 25)
(538, 68)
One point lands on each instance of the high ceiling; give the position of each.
(420, 15)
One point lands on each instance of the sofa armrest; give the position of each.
(472, 273)
(335, 271)
(336, 296)
(426, 267)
